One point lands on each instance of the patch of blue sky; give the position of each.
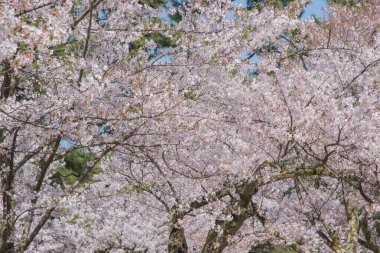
(165, 16)
(102, 16)
(230, 15)
(254, 58)
(70, 39)
(67, 144)
(242, 3)
(239, 3)
(157, 57)
(104, 129)
(317, 9)
(254, 72)
(164, 58)
(78, 10)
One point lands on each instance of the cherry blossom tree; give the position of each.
(189, 126)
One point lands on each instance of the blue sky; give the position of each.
(315, 8)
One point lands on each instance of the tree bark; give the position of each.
(7, 89)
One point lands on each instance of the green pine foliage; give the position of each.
(344, 2)
(71, 47)
(75, 166)
(160, 39)
(269, 248)
(153, 3)
(259, 4)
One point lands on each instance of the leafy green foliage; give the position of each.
(135, 46)
(23, 47)
(350, 3)
(135, 108)
(267, 48)
(37, 88)
(269, 248)
(232, 73)
(153, 3)
(72, 46)
(280, 3)
(284, 249)
(161, 40)
(190, 95)
(29, 21)
(318, 182)
(288, 192)
(260, 4)
(176, 17)
(74, 219)
(75, 166)
(295, 32)
(176, 3)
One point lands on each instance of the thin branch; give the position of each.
(39, 226)
(92, 6)
(361, 73)
(36, 8)
(46, 164)
(86, 43)
(7, 196)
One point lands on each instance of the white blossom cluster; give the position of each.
(141, 135)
